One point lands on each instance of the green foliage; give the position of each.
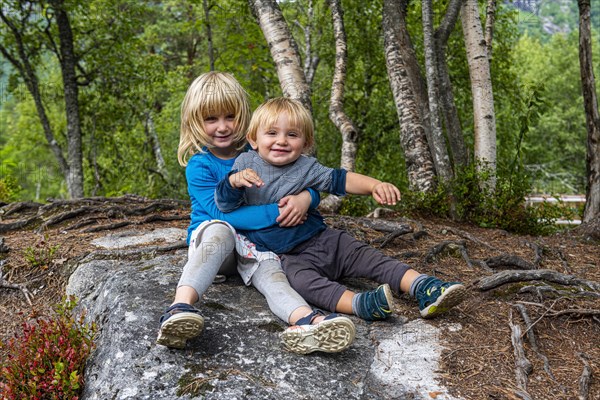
(465, 199)
(138, 59)
(47, 360)
(9, 188)
(554, 148)
(41, 254)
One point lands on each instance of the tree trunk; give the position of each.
(592, 117)
(311, 60)
(419, 163)
(68, 62)
(438, 143)
(21, 61)
(460, 155)
(484, 118)
(336, 108)
(209, 38)
(490, 20)
(283, 50)
(161, 166)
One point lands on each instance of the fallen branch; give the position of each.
(389, 238)
(510, 276)
(533, 341)
(522, 365)
(439, 248)
(16, 286)
(467, 235)
(585, 379)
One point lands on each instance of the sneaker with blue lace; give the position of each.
(374, 305)
(436, 297)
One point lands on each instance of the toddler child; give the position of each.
(314, 257)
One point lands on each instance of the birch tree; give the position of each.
(438, 145)
(24, 36)
(283, 50)
(419, 163)
(592, 206)
(484, 118)
(337, 115)
(458, 149)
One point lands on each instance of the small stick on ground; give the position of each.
(522, 365)
(533, 341)
(16, 286)
(472, 238)
(585, 379)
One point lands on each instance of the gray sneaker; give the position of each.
(332, 335)
(179, 323)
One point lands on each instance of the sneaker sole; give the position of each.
(175, 331)
(387, 291)
(330, 336)
(451, 297)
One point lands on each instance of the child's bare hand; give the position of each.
(293, 209)
(245, 178)
(385, 193)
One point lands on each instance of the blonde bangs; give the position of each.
(211, 94)
(266, 116)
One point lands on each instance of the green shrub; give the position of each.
(41, 254)
(9, 189)
(47, 360)
(465, 199)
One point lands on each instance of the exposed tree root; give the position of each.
(523, 366)
(93, 208)
(586, 377)
(508, 260)
(533, 341)
(509, 276)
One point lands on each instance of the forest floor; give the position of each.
(558, 315)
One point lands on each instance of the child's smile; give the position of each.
(221, 130)
(280, 144)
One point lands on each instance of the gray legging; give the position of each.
(215, 254)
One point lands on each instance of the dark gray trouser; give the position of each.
(314, 266)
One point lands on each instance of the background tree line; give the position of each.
(90, 91)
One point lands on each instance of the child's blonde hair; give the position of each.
(211, 94)
(299, 117)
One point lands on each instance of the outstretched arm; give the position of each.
(383, 192)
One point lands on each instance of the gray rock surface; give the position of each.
(238, 356)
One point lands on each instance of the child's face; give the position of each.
(220, 128)
(280, 144)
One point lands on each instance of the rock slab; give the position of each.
(239, 355)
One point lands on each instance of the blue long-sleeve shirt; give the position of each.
(281, 181)
(203, 173)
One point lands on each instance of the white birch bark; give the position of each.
(419, 163)
(460, 155)
(438, 143)
(490, 21)
(283, 50)
(484, 117)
